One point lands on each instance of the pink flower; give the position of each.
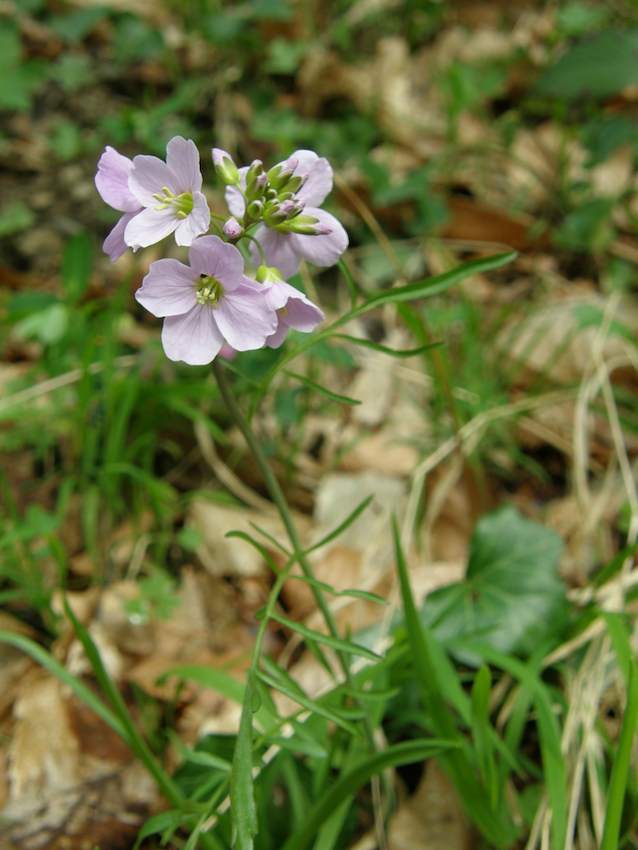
(207, 303)
(319, 238)
(292, 308)
(170, 193)
(111, 181)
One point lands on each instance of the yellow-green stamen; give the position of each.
(209, 290)
(182, 204)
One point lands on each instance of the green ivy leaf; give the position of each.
(601, 66)
(512, 597)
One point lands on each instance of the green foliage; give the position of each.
(123, 420)
(511, 598)
(599, 67)
(19, 80)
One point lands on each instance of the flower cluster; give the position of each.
(214, 304)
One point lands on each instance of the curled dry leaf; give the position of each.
(71, 781)
(432, 818)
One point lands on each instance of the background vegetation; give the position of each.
(499, 677)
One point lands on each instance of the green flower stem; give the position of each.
(281, 504)
(260, 250)
(298, 556)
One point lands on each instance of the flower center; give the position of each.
(182, 204)
(209, 290)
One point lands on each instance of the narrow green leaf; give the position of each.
(242, 797)
(77, 264)
(85, 694)
(209, 677)
(353, 289)
(299, 746)
(385, 349)
(298, 696)
(336, 532)
(434, 285)
(362, 594)
(271, 539)
(335, 643)
(332, 826)
(163, 822)
(426, 674)
(616, 793)
(408, 752)
(554, 766)
(243, 535)
(481, 729)
(343, 399)
(436, 676)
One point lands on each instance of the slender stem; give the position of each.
(279, 499)
(299, 556)
(260, 250)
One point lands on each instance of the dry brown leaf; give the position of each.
(223, 556)
(432, 818)
(378, 452)
(551, 340)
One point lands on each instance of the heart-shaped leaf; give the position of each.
(512, 597)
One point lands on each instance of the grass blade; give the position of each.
(349, 784)
(318, 637)
(342, 399)
(385, 349)
(82, 692)
(242, 797)
(298, 696)
(621, 766)
(356, 513)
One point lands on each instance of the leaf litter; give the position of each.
(64, 775)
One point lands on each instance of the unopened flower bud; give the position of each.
(294, 184)
(225, 168)
(255, 209)
(232, 229)
(268, 274)
(305, 225)
(254, 188)
(280, 174)
(273, 214)
(290, 208)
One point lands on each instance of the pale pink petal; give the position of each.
(182, 157)
(275, 295)
(149, 226)
(111, 181)
(192, 337)
(148, 177)
(318, 174)
(234, 198)
(301, 313)
(114, 244)
(276, 339)
(212, 256)
(195, 223)
(278, 249)
(244, 318)
(325, 249)
(168, 289)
